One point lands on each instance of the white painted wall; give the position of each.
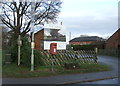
(60, 45)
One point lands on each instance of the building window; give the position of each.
(54, 35)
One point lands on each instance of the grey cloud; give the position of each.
(91, 24)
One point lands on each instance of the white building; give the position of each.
(51, 33)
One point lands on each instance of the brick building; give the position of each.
(95, 41)
(114, 41)
(85, 40)
(39, 37)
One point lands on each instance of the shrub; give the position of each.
(83, 47)
(25, 54)
(71, 65)
(14, 51)
(38, 58)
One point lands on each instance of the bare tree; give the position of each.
(17, 15)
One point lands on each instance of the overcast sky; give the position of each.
(90, 17)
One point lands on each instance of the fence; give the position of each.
(62, 57)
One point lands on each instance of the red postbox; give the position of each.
(53, 48)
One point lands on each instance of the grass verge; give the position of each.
(12, 70)
(0, 58)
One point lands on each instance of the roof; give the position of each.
(118, 31)
(87, 38)
(38, 31)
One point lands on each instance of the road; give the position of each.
(73, 78)
(113, 63)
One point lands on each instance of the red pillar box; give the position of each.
(53, 48)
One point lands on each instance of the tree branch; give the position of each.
(7, 23)
(27, 26)
(45, 10)
(14, 3)
(14, 18)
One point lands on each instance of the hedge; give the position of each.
(25, 53)
(83, 47)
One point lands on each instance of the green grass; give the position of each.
(0, 58)
(12, 70)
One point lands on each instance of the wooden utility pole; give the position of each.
(19, 44)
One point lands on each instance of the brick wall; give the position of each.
(81, 43)
(39, 36)
(114, 41)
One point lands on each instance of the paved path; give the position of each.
(73, 78)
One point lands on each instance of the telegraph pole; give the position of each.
(19, 44)
(32, 34)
